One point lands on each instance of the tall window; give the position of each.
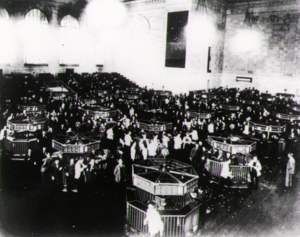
(6, 49)
(36, 38)
(176, 39)
(70, 39)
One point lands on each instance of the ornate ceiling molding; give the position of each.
(65, 7)
(266, 3)
(216, 5)
(143, 2)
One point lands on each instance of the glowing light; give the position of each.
(35, 33)
(36, 37)
(70, 40)
(201, 29)
(246, 40)
(104, 14)
(69, 21)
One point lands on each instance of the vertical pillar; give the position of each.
(55, 42)
(54, 20)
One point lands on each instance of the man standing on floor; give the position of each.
(290, 170)
(78, 176)
(255, 171)
(153, 219)
(195, 154)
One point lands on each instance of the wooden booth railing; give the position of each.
(286, 116)
(201, 115)
(174, 224)
(26, 125)
(155, 127)
(19, 147)
(240, 173)
(267, 128)
(230, 107)
(50, 85)
(294, 107)
(32, 108)
(177, 201)
(231, 147)
(251, 102)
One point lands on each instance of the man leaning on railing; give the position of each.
(153, 219)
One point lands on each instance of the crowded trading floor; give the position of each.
(69, 146)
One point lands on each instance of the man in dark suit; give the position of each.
(46, 170)
(196, 153)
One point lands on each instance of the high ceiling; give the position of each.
(72, 7)
(62, 2)
(65, 7)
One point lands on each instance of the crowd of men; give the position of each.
(123, 142)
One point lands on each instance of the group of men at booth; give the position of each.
(93, 172)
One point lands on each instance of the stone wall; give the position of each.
(141, 54)
(266, 47)
(136, 46)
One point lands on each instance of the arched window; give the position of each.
(70, 41)
(140, 39)
(3, 14)
(140, 29)
(6, 46)
(36, 38)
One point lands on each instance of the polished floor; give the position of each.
(29, 210)
(272, 210)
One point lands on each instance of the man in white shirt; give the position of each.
(255, 171)
(290, 170)
(2, 133)
(177, 141)
(126, 122)
(79, 168)
(211, 127)
(194, 135)
(187, 123)
(177, 146)
(110, 134)
(255, 164)
(143, 145)
(153, 219)
(225, 172)
(165, 140)
(152, 148)
(128, 139)
(131, 112)
(187, 140)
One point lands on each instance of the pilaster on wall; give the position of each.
(264, 5)
(54, 20)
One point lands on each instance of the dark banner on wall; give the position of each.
(176, 40)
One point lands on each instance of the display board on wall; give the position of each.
(176, 39)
